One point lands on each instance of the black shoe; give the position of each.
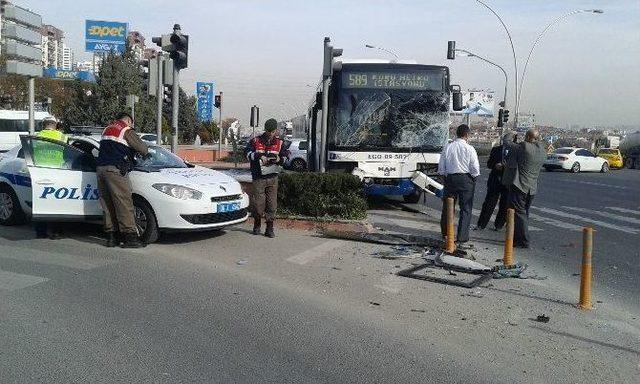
(41, 235)
(111, 240)
(131, 240)
(269, 231)
(256, 225)
(55, 236)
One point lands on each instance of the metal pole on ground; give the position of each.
(507, 259)
(159, 96)
(32, 96)
(585, 275)
(175, 103)
(450, 245)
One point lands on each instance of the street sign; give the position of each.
(22, 51)
(105, 36)
(25, 69)
(204, 92)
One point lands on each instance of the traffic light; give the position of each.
(505, 115)
(451, 50)
(217, 101)
(180, 52)
(329, 54)
(167, 97)
(500, 117)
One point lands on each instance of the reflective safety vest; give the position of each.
(47, 154)
(114, 148)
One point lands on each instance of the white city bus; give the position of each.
(16, 123)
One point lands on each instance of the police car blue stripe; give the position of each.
(20, 180)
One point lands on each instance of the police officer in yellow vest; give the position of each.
(49, 155)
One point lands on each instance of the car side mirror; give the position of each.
(456, 94)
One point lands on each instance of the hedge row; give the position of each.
(322, 195)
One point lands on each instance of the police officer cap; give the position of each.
(50, 119)
(270, 125)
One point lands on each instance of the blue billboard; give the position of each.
(105, 36)
(61, 74)
(204, 93)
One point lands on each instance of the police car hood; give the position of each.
(203, 179)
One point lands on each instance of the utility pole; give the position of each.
(159, 94)
(327, 72)
(175, 104)
(218, 104)
(32, 96)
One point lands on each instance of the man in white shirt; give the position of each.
(460, 167)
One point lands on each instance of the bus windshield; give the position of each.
(390, 109)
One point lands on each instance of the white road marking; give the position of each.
(588, 220)
(391, 283)
(605, 214)
(624, 210)
(52, 258)
(10, 281)
(597, 184)
(555, 223)
(315, 252)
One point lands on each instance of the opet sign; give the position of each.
(105, 36)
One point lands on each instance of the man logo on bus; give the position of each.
(387, 170)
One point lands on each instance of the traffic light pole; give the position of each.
(175, 102)
(325, 120)
(220, 127)
(159, 96)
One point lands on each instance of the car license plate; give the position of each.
(228, 207)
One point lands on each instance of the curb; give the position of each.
(311, 225)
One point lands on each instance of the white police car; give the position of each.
(168, 194)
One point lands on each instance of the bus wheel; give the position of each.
(413, 197)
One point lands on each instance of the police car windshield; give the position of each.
(160, 158)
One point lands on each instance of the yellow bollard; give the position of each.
(585, 275)
(450, 245)
(507, 259)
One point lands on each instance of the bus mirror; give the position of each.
(456, 93)
(318, 98)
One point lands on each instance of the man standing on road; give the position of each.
(118, 147)
(460, 167)
(266, 154)
(529, 156)
(49, 155)
(495, 189)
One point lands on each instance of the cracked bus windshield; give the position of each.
(393, 109)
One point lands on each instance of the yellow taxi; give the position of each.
(613, 156)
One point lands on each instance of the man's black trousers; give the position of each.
(460, 186)
(520, 202)
(495, 193)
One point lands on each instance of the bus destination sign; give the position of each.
(419, 81)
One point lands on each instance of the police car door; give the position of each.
(63, 181)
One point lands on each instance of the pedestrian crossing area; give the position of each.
(45, 260)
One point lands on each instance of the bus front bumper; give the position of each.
(388, 187)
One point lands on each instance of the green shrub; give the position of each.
(322, 195)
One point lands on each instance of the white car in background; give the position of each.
(297, 159)
(168, 193)
(575, 160)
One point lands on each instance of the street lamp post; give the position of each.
(537, 40)
(384, 50)
(515, 60)
(506, 79)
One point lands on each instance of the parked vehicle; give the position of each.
(13, 124)
(630, 150)
(297, 154)
(575, 160)
(168, 193)
(613, 157)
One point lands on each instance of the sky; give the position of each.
(584, 71)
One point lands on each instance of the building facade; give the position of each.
(67, 58)
(52, 46)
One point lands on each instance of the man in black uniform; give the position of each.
(495, 189)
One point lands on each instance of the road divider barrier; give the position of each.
(585, 275)
(507, 259)
(450, 245)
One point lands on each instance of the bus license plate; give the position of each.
(228, 207)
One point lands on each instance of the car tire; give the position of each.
(605, 167)
(413, 197)
(575, 168)
(298, 165)
(146, 221)
(10, 210)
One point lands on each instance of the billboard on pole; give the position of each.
(481, 103)
(105, 36)
(204, 93)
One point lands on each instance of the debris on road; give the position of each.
(542, 318)
(374, 303)
(419, 310)
(242, 262)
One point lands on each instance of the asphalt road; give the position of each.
(610, 203)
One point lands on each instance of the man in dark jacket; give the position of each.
(495, 189)
(266, 154)
(118, 147)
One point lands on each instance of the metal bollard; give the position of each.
(507, 259)
(585, 275)
(450, 245)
